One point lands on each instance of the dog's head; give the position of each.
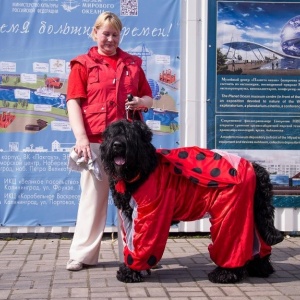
(126, 151)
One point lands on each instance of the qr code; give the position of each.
(129, 7)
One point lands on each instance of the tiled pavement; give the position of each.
(33, 267)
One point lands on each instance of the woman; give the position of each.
(98, 85)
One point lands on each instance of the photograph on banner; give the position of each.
(41, 37)
(254, 109)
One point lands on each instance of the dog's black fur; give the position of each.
(132, 142)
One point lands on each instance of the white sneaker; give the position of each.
(74, 265)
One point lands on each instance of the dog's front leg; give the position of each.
(125, 274)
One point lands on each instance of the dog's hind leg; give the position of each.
(260, 267)
(263, 208)
(227, 275)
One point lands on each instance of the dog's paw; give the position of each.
(226, 275)
(260, 267)
(125, 274)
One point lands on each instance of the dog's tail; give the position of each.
(263, 207)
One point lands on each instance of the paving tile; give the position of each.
(33, 267)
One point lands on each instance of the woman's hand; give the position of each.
(137, 102)
(82, 148)
(134, 103)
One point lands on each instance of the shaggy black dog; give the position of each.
(130, 159)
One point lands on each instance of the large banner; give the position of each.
(254, 85)
(38, 38)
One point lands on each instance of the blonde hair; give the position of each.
(106, 17)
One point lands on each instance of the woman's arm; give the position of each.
(144, 96)
(82, 146)
(145, 101)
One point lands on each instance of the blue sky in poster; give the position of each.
(257, 22)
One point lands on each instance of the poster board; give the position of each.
(253, 106)
(38, 40)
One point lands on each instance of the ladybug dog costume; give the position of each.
(155, 188)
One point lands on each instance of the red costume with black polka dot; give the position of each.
(188, 183)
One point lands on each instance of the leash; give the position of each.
(130, 113)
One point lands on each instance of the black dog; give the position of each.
(155, 188)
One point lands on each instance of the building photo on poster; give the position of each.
(253, 105)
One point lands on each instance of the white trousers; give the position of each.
(91, 216)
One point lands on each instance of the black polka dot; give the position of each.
(165, 151)
(197, 170)
(215, 172)
(183, 154)
(200, 156)
(233, 172)
(217, 156)
(177, 170)
(129, 259)
(212, 184)
(194, 180)
(152, 261)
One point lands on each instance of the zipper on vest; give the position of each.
(114, 81)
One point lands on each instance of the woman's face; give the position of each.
(108, 39)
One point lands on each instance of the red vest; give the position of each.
(107, 89)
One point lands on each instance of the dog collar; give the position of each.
(120, 186)
(137, 177)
